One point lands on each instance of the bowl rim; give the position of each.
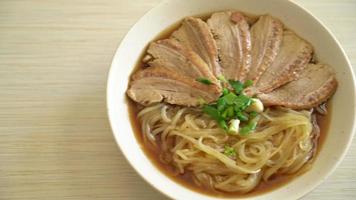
(170, 195)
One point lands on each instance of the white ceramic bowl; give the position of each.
(327, 49)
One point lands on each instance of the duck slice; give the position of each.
(266, 38)
(316, 84)
(171, 54)
(157, 84)
(195, 34)
(232, 35)
(293, 56)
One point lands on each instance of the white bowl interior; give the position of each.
(303, 23)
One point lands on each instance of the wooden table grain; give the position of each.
(55, 140)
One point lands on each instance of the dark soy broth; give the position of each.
(186, 179)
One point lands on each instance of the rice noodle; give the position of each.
(191, 141)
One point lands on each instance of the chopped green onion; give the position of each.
(242, 102)
(229, 151)
(230, 112)
(232, 106)
(234, 126)
(222, 78)
(256, 106)
(253, 114)
(230, 98)
(221, 104)
(237, 85)
(212, 112)
(241, 116)
(248, 128)
(248, 83)
(225, 91)
(223, 124)
(253, 125)
(204, 81)
(224, 114)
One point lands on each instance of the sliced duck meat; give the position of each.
(315, 85)
(171, 54)
(195, 34)
(266, 38)
(157, 84)
(232, 35)
(293, 56)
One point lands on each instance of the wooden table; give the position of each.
(55, 140)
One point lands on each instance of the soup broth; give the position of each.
(186, 179)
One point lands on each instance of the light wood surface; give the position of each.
(55, 140)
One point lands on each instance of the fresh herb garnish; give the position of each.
(237, 85)
(253, 114)
(242, 102)
(248, 83)
(204, 81)
(230, 112)
(234, 125)
(225, 91)
(212, 112)
(242, 116)
(222, 78)
(251, 126)
(230, 98)
(229, 151)
(232, 107)
(223, 124)
(221, 104)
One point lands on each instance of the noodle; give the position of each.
(191, 141)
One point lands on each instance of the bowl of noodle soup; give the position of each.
(284, 140)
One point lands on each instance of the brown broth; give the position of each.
(185, 179)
